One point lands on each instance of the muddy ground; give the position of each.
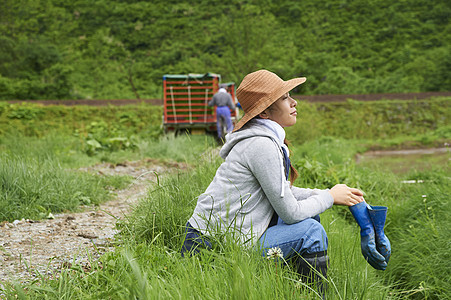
(30, 249)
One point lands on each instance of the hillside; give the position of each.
(53, 49)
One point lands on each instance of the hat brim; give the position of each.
(266, 102)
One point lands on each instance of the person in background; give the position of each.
(252, 194)
(224, 103)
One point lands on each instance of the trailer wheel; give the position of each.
(182, 131)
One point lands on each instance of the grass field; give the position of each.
(147, 264)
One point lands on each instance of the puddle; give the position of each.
(404, 161)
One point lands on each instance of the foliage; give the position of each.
(105, 129)
(113, 49)
(111, 126)
(100, 137)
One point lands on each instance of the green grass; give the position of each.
(182, 148)
(149, 265)
(32, 189)
(67, 150)
(384, 123)
(419, 225)
(421, 121)
(153, 271)
(418, 221)
(38, 175)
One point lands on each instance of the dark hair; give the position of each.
(293, 172)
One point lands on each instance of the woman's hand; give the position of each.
(344, 195)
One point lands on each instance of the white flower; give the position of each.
(274, 252)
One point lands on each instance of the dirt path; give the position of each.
(29, 248)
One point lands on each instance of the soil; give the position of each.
(404, 152)
(406, 160)
(30, 249)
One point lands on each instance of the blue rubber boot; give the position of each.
(367, 236)
(378, 216)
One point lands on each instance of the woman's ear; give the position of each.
(264, 114)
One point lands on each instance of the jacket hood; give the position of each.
(251, 129)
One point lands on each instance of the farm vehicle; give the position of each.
(185, 103)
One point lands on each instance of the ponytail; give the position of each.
(293, 172)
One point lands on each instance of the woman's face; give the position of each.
(283, 111)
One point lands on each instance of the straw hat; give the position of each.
(259, 90)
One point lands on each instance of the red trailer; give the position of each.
(186, 100)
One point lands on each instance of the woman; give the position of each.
(250, 195)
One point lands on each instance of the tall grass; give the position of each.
(149, 265)
(32, 188)
(67, 150)
(419, 225)
(373, 120)
(38, 175)
(418, 217)
(182, 148)
(151, 271)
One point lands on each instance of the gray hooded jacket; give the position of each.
(250, 185)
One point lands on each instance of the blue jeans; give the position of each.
(305, 237)
(223, 112)
(194, 240)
